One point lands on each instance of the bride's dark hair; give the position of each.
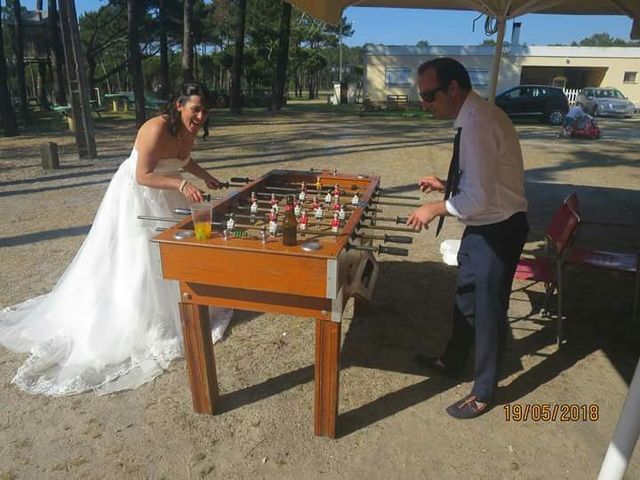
(187, 89)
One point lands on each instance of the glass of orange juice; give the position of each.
(201, 216)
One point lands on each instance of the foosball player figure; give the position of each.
(297, 209)
(336, 191)
(303, 191)
(253, 197)
(315, 204)
(319, 213)
(253, 209)
(302, 221)
(231, 223)
(273, 223)
(336, 206)
(327, 198)
(342, 214)
(335, 223)
(318, 184)
(274, 203)
(355, 200)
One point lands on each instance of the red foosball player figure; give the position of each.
(315, 204)
(318, 184)
(274, 203)
(273, 223)
(335, 223)
(336, 206)
(303, 220)
(303, 191)
(336, 191)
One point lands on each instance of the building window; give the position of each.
(398, 76)
(479, 78)
(630, 77)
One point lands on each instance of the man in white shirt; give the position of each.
(485, 191)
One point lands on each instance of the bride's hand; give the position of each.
(192, 192)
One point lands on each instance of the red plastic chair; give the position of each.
(626, 262)
(548, 268)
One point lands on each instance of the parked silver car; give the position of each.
(604, 101)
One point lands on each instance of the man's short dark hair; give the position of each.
(447, 69)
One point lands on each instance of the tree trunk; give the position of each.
(165, 90)
(7, 116)
(283, 57)
(187, 42)
(135, 64)
(42, 86)
(57, 51)
(238, 57)
(19, 51)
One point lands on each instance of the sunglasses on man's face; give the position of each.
(430, 95)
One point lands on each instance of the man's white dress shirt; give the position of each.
(491, 187)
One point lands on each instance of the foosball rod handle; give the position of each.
(401, 252)
(397, 239)
(240, 180)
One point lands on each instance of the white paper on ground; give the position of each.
(449, 250)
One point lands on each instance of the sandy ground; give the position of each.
(392, 422)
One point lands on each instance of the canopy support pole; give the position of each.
(495, 69)
(626, 434)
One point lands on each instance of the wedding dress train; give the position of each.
(111, 322)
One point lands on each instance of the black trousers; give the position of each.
(487, 262)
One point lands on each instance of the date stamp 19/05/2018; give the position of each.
(551, 412)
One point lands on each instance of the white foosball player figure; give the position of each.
(303, 220)
(231, 223)
(274, 204)
(273, 223)
(335, 223)
(254, 208)
(297, 209)
(303, 192)
(355, 200)
(319, 213)
(342, 214)
(327, 198)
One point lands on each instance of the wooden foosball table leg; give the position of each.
(199, 354)
(327, 377)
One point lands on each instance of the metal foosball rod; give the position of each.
(393, 229)
(376, 218)
(401, 252)
(387, 238)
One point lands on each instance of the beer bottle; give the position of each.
(289, 224)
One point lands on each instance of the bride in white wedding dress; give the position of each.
(111, 322)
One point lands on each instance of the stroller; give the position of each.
(581, 127)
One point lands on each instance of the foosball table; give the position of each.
(245, 265)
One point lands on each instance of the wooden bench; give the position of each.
(395, 102)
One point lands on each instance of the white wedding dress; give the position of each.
(111, 322)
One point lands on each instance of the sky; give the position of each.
(402, 26)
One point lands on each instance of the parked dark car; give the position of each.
(548, 104)
(605, 101)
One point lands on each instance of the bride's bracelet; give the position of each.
(182, 185)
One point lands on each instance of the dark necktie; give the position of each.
(453, 178)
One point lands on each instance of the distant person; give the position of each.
(484, 191)
(111, 322)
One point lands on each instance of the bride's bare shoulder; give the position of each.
(154, 130)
